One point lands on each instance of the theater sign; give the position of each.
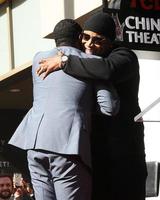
(138, 23)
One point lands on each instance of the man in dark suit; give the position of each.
(118, 143)
(56, 130)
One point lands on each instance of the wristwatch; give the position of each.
(64, 59)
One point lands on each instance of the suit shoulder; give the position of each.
(44, 54)
(41, 55)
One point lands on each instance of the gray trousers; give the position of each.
(58, 177)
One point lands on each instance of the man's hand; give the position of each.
(49, 65)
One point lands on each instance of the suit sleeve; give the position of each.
(107, 98)
(120, 65)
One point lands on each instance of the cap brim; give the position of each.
(50, 36)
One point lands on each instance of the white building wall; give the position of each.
(52, 11)
(34, 19)
(27, 31)
(4, 55)
(148, 93)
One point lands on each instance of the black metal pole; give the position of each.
(104, 5)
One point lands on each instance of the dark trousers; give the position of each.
(119, 178)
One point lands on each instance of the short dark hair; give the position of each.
(8, 176)
(66, 41)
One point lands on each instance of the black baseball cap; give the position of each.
(66, 28)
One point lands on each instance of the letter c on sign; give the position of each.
(127, 22)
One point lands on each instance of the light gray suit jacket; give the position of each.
(59, 120)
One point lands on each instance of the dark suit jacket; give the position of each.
(121, 135)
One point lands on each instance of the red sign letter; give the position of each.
(147, 7)
(157, 5)
(133, 4)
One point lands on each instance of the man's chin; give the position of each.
(5, 195)
(88, 51)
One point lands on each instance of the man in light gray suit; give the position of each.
(56, 130)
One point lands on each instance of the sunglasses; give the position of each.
(95, 39)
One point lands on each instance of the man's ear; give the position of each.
(80, 37)
(79, 43)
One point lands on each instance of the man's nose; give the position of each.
(5, 187)
(90, 42)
